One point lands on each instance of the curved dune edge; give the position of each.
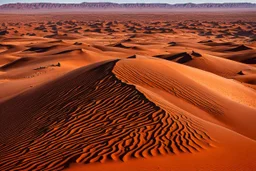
(171, 81)
(90, 116)
(230, 145)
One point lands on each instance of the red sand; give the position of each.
(112, 93)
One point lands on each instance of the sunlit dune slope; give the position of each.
(225, 100)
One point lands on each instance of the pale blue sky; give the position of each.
(129, 1)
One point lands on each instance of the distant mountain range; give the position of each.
(107, 5)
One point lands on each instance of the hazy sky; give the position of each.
(129, 1)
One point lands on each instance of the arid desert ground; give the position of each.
(128, 91)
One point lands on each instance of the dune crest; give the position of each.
(107, 120)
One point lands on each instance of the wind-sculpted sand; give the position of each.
(127, 95)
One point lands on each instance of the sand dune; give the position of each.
(97, 120)
(108, 93)
(107, 118)
(184, 87)
(239, 48)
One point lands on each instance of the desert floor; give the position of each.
(121, 91)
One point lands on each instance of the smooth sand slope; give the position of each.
(108, 93)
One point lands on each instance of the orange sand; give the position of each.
(108, 93)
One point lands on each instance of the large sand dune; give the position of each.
(111, 94)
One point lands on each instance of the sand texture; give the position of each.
(128, 91)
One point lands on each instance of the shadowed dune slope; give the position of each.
(90, 116)
(15, 64)
(220, 66)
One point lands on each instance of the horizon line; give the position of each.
(127, 3)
